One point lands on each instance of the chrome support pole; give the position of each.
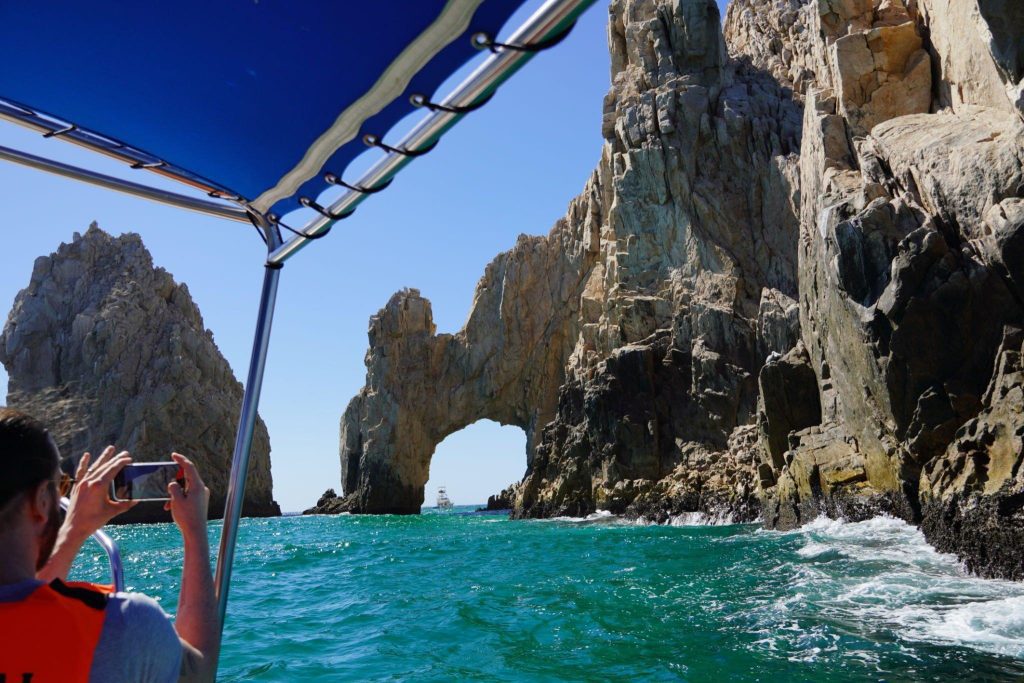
(109, 546)
(246, 426)
(228, 211)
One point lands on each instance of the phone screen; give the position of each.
(146, 481)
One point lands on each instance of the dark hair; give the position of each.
(28, 454)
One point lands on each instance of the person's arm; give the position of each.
(91, 508)
(197, 622)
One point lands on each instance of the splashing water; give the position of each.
(479, 597)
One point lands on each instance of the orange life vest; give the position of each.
(51, 635)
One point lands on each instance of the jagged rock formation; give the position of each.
(105, 348)
(784, 289)
(655, 278)
(328, 504)
(973, 494)
(504, 499)
(905, 286)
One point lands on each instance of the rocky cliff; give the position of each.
(105, 348)
(792, 287)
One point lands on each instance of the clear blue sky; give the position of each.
(510, 168)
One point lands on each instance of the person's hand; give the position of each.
(188, 506)
(91, 507)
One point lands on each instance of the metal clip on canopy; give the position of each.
(549, 25)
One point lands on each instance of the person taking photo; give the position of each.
(55, 630)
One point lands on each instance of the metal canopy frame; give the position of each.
(554, 17)
(542, 29)
(212, 208)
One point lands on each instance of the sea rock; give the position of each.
(330, 503)
(907, 229)
(972, 497)
(104, 348)
(630, 337)
(788, 402)
(504, 499)
(782, 292)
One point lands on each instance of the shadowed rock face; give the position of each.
(972, 496)
(788, 288)
(671, 275)
(908, 274)
(104, 348)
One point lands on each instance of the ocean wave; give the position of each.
(702, 519)
(684, 519)
(882, 574)
(598, 516)
(995, 625)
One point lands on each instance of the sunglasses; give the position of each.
(67, 482)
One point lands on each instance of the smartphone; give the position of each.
(146, 481)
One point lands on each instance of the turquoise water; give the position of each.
(445, 597)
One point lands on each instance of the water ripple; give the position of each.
(465, 597)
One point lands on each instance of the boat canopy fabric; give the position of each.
(254, 98)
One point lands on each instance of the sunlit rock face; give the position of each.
(789, 289)
(104, 348)
(909, 273)
(627, 342)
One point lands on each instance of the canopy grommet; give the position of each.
(485, 41)
(481, 40)
(371, 140)
(419, 100)
(334, 179)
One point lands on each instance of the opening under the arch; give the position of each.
(476, 462)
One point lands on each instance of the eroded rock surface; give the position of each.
(104, 348)
(906, 269)
(785, 290)
(973, 495)
(635, 330)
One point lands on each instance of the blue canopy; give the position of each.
(253, 98)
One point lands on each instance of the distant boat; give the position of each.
(443, 501)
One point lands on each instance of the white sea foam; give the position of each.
(598, 516)
(702, 519)
(882, 574)
(995, 625)
(680, 520)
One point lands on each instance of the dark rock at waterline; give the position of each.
(504, 500)
(330, 503)
(973, 495)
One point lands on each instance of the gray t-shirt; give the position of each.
(138, 644)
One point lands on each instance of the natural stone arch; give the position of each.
(678, 258)
(505, 365)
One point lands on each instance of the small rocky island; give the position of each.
(793, 286)
(104, 348)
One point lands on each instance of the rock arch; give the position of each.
(681, 248)
(505, 365)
